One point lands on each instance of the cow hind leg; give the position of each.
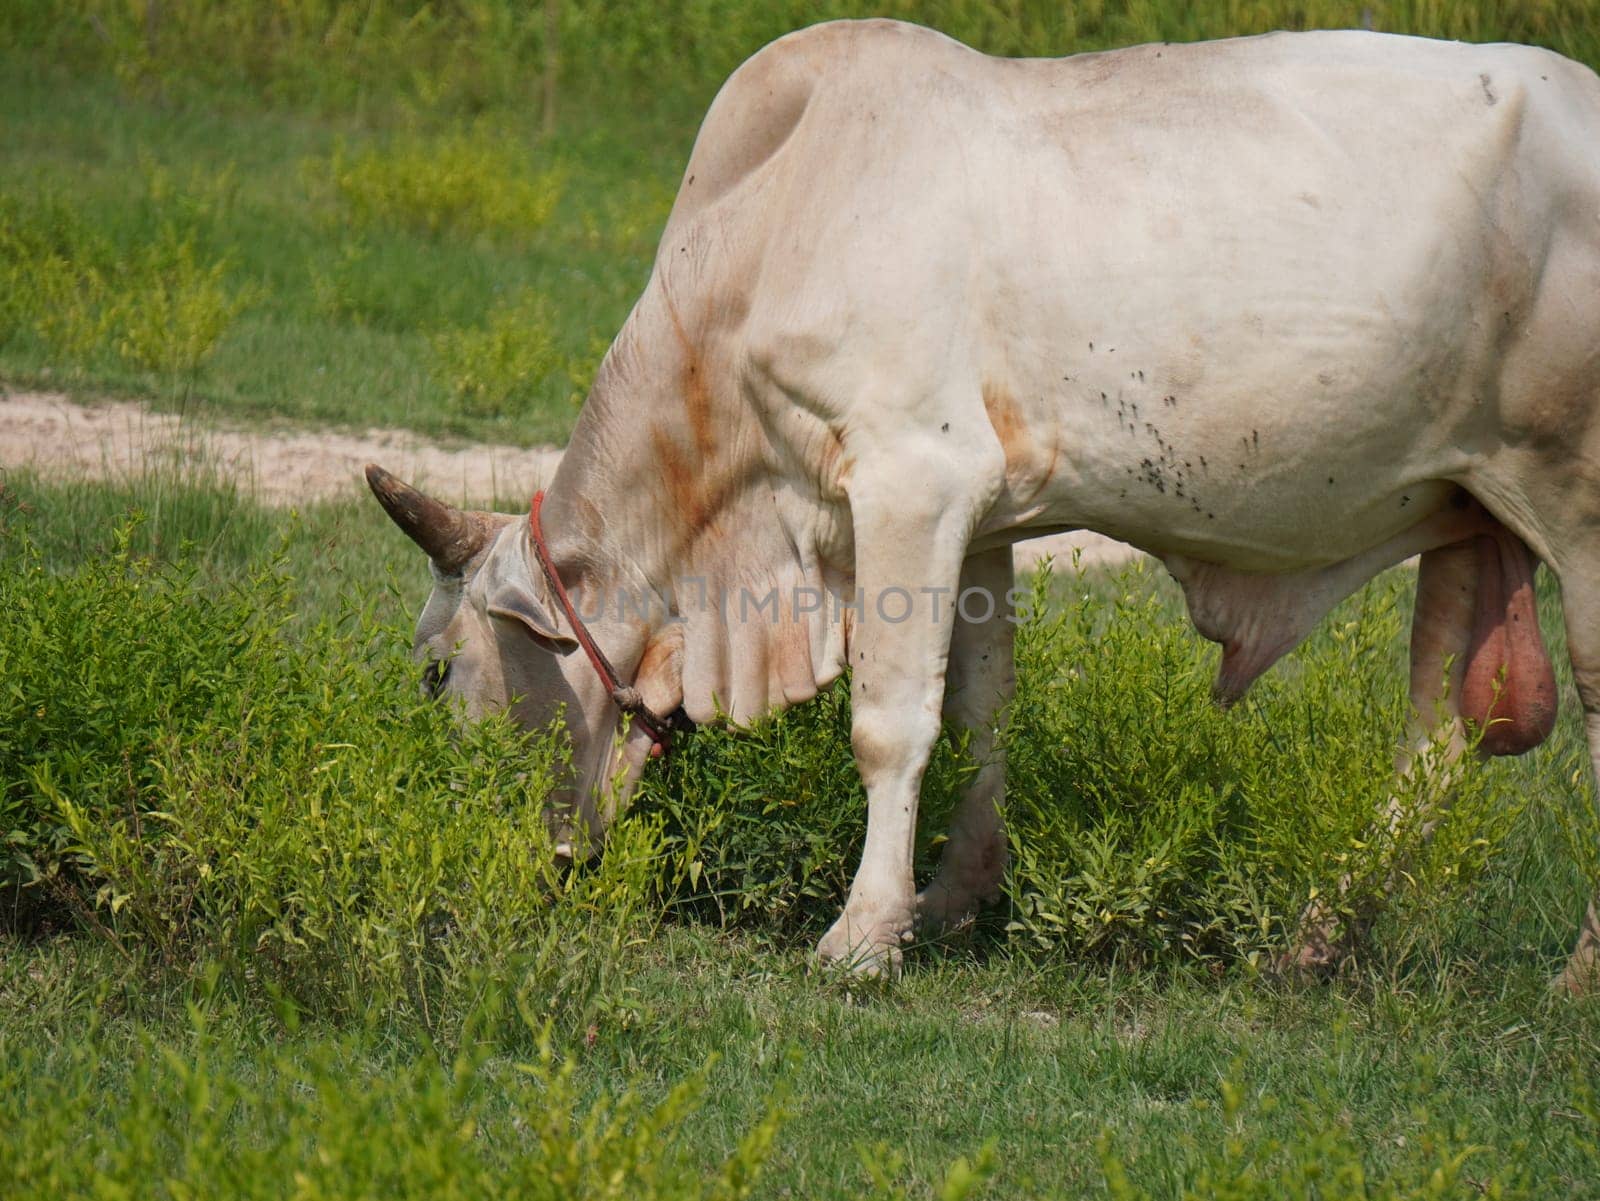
(1478, 663)
(1442, 624)
(978, 686)
(1581, 604)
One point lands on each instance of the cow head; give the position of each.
(495, 639)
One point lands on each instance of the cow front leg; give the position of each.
(910, 536)
(978, 686)
(1441, 630)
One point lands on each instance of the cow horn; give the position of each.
(448, 536)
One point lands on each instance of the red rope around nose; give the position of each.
(625, 698)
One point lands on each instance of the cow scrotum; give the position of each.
(1281, 311)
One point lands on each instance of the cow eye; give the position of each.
(434, 676)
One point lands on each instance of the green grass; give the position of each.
(1057, 1068)
(338, 315)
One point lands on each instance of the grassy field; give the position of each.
(360, 214)
(308, 268)
(274, 928)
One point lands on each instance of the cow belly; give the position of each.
(1306, 508)
(1270, 459)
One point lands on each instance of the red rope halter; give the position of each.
(625, 697)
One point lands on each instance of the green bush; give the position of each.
(180, 772)
(478, 181)
(157, 306)
(52, 275)
(499, 369)
(173, 310)
(1145, 822)
(100, 665)
(182, 777)
(764, 824)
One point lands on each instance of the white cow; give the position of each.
(1280, 311)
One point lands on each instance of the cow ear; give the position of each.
(512, 591)
(514, 601)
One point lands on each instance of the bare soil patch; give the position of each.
(58, 437)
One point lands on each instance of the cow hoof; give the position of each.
(943, 908)
(1581, 977)
(1317, 955)
(869, 950)
(1577, 980)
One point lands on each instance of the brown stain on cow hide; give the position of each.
(699, 472)
(1024, 470)
(722, 311)
(695, 388)
(697, 406)
(686, 500)
(697, 493)
(1006, 419)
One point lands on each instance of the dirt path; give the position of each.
(56, 436)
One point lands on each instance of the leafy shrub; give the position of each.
(1146, 822)
(52, 275)
(764, 824)
(99, 665)
(181, 777)
(500, 369)
(156, 306)
(175, 310)
(476, 182)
